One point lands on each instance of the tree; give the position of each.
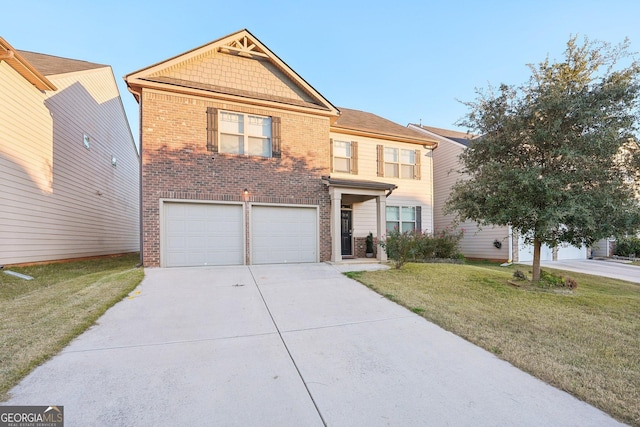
(556, 157)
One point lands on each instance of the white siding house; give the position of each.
(383, 152)
(68, 162)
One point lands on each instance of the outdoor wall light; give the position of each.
(245, 192)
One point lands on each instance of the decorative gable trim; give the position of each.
(241, 43)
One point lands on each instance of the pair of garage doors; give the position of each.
(197, 234)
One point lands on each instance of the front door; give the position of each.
(346, 231)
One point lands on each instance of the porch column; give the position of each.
(381, 204)
(336, 204)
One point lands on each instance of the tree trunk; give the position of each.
(537, 245)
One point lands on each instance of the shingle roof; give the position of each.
(369, 122)
(49, 65)
(459, 137)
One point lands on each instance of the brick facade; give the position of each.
(177, 165)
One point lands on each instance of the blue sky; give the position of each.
(403, 60)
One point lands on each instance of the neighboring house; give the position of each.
(244, 162)
(68, 163)
(491, 243)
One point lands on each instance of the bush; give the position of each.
(628, 246)
(571, 283)
(519, 274)
(550, 280)
(402, 247)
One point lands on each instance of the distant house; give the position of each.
(244, 162)
(491, 243)
(68, 163)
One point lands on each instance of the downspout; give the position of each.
(433, 220)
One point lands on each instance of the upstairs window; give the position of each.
(345, 156)
(398, 163)
(243, 134)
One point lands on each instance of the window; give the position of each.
(86, 140)
(345, 156)
(243, 134)
(404, 218)
(398, 163)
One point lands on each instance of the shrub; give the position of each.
(570, 283)
(550, 280)
(627, 246)
(519, 274)
(402, 247)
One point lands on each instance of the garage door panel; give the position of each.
(284, 234)
(203, 234)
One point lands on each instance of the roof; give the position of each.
(23, 67)
(358, 183)
(355, 121)
(50, 65)
(459, 137)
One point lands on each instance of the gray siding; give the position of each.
(476, 243)
(59, 199)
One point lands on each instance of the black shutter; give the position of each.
(212, 129)
(419, 219)
(276, 150)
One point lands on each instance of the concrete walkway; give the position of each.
(283, 345)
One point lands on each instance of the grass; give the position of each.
(586, 342)
(38, 318)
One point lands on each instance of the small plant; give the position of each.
(519, 274)
(571, 283)
(550, 280)
(369, 244)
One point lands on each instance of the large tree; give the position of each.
(556, 157)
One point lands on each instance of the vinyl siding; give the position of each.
(476, 243)
(410, 192)
(60, 200)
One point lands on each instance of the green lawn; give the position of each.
(39, 317)
(586, 342)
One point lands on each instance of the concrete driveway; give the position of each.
(613, 269)
(283, 345)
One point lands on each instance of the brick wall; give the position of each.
(177, 165)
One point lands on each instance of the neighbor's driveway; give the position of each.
(616, 270)
(283, 345)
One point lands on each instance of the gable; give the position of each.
(236, 67)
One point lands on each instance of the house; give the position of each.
(68, 162)
(244, 162)
(487, 242)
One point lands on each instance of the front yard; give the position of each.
(586, 342)
(39, 317)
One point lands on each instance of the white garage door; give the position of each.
(284, 234)
(202, 234)
(565, 251)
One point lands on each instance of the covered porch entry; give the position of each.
(344, 194)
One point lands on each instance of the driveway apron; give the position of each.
(283, 345)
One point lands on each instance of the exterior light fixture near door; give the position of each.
(245, 194)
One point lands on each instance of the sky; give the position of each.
(407, 61)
